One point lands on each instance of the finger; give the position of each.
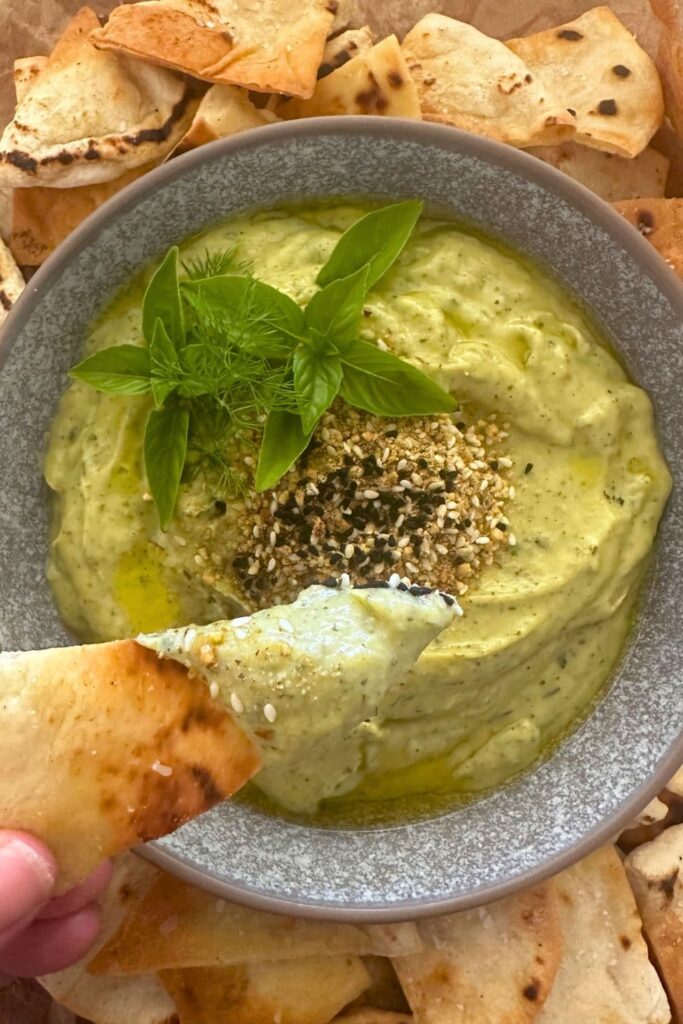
(27, 877)
(47, 946)
(87, 892)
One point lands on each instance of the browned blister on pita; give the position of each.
(518, 937)
(655, 872)
(377, 81)
(308, 991)
(11, 281)
(126, 747)
(26, 70)
(603, 76)
(270, 46)
(225, 110)
(605, 976)
(135, 999)
(88, 116)
(661, 222)
(466, 79)
(43, 217)
(610, 177)
(177, 925)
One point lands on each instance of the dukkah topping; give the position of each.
(419, 499)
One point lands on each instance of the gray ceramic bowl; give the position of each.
(611, 766)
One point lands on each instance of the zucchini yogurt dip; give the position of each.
(536, 502)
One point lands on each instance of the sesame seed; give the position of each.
(162, 769)
(189, 639)
(213, 689)
(237, 705)
(270, 712)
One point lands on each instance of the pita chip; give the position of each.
(384, 991)
(341, 47)
(605, 976)
(655, 872)
(177, 925)
(11, 281)
(139, 999)
(26, 70)
(471, 81)
(601, 73)
(308, 991)
(610, 177)
(661, 222)
(267, 46)
(225, 110)
(519, 937)
(88, 116)
(377, 81)
(371, 1015)
(43, 217)
(126, 748)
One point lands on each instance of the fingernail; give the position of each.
(23, 864)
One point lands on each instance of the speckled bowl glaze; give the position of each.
(622, 754)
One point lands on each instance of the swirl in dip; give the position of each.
(537, 503)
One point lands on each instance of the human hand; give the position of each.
(39, 932)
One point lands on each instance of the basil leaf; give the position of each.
(283, 442)
(333, 312)
(381, 383)
(377, 239)
(164, 362)
(316, 381)
(244, 299)
(119, 370)
(162, 302)
(165, 449)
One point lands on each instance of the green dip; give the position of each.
(543, 627)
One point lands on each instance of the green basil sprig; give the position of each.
(226, 355)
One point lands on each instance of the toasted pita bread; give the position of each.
(605, 976)
(89, 116)
(342, 47)
(377, 81)
(177, 925)
(137, 999)
(670, 58)
(309, 991)
(473, 82)
(601, 73)
(610, 177)
(224, 110)
(26, 70)
(11, 281)
(371, 1015)
(43, 217)
(271, 46)
(655, 872)
(661, 222)
(125, 748)
(518, 938)
(384, 991)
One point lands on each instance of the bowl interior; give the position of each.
(624, 751)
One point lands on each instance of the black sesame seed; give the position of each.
(392, 542)
(372, 585)
(330, 581)
(420, 591)
(450, 601)
(391, 433)
(220, 507)
(529, 466)
(422, 463)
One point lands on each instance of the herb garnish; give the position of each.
(227, 357)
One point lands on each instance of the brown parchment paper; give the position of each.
(29, 27)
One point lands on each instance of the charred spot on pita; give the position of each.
(5, 300)
(621, 71)
(607, 107)
(531, 991)
(570, 34)
(395, 78)
(21, 160)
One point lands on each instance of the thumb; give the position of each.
(27, 878)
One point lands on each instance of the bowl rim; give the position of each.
(649, 263)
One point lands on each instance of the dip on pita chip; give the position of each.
(655, 872)
(224, 110)
(518, 938)
(43, 217)
(610, 177)
(466, 79)
(605, 976)
(308, 991)
(377, 81)
(125, 748)
(661, 222)
(601, 73)
(342, 47)
(177, 925)
(139, 999)
(271, 46)
(11, 281)
(88, 116)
